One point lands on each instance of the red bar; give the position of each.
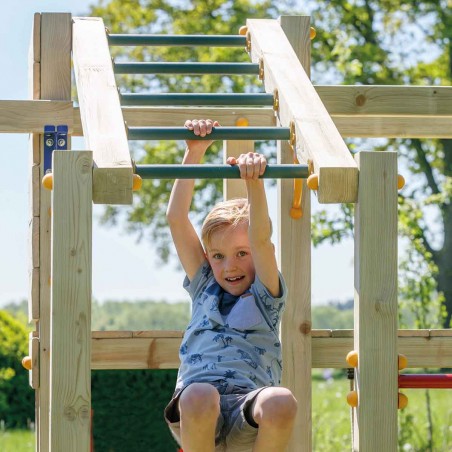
(426, 381)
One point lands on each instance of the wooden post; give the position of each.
(235, 188)
(51, 61)
(375, 339)
(295, 262)
(70, 362)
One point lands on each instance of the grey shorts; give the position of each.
(236, 431)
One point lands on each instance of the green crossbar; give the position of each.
(176, 40)
(217, 172)
(187, 68)
(220, 133)
(176, 99)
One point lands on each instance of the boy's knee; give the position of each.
(277, 406)
(200, 399)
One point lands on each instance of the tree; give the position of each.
(369, 42)
(358, 42)
(16, 397)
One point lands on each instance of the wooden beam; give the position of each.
(160, 349)
(317, 138)
(375, 316)
(235, 188)
(70, 361)
(295, 262)
(30, 116)
(55, 84)
(432, 101)
(103, 124)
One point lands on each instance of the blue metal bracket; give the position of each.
(54, 138)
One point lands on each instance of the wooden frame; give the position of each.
(61, 372)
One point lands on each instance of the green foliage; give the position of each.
(140, 315)
(334, 316)
(16, 397)
(17, 440)
(128, 410)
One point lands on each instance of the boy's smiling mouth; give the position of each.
(234, 279)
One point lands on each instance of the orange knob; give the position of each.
(402, 401)
(242, 30)
(402, 361)
(47, 181)
(137, 182)
(242, 122)
(352, 399)
(26, 362)
(312, 33)
(313, 182)
(400, 182)
(352, 358)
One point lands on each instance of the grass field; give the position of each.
(331, 422)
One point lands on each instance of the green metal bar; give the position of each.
(220, 133)
(172, 99)
(187, 68)
(217, 172)
(176, 40)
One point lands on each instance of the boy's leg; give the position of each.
(199, 406)
(274, 411)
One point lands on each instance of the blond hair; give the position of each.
(227, 213)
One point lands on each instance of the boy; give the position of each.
(226, 397)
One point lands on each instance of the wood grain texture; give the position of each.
(375, 314)
(55, 84)
(317, 138)
(131, 349)
(295, 262)
(103, 124)
(70, 362)
(235, 188)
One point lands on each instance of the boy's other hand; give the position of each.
(200, 127)
(251, 165)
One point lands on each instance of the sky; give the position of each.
(122, 268)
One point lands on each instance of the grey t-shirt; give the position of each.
(231, 340)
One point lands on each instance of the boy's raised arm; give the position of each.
(186, 241)
(252, 165)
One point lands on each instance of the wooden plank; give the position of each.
(317, 138)
(375, 305)
(103, 124)
(386, 100)
(235, 188)
(33, 352)
(70, 362)
(295, 262)
(55, 84)
(30, 116)
(33, 294)
(136, 353)
(394, 127)
(34, 58)
(132, 352)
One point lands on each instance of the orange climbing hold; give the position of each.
(242, 30)
(242, 122)
(312, 33)
(313, 182)
(137, 182)
(400, 182)
(26, 362)
(402, 362)
(47, 181)
(352, 399)
(352, 358)
(402, 401)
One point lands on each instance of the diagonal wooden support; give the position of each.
(317, 138)
(100, 110)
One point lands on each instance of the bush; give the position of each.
(16, 396)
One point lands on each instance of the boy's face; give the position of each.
(229, 255)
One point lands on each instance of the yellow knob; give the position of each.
(26, 362)
(47, 181)
(313, 182)
(242, 30)
(137, 182)
(352, 399)
(400, 182)
(352, 358)
(312, 33)
(403, 361)
(402, 401)
(242, 122)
